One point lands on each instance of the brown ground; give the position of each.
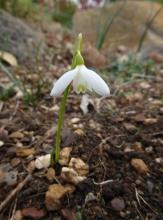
(128, 125)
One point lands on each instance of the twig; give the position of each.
(137, 209)
(103, 182)
(15, 111)
(15, 191)
(139, 197)
(14, 210)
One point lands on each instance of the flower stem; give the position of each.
(56, 151)
(77, 59)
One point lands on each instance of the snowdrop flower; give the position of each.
(83, 79)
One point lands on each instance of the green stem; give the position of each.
(56, 151)
(77, 59)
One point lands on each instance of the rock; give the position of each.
(50, 174)
(150, 186)
(24, 48)
(124, 20)
(159, 160)
(145, 85)
(118, 204)
(150, 121)
(42, 162)
(24, 152)
(71, 176)
(1, 143)
(139, 166)
(149, 149)
(75, 120)
(10, 178)
(33, 213)
(79, 132)
(65, 155)
(55, 194)
(79, 166)
(93, 58)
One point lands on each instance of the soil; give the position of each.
(126, 127)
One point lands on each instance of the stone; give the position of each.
(33, 213)
(118, 204)
(55, 194)
(140, 166)
(42, 162)
(124, 20)
(50, 174)
(65, 155)
(24, 48)
(79, 166)
(71, 176)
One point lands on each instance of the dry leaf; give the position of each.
(68, 214)
(8, 58)
(24, 152)
(15, 162)
(16, 134)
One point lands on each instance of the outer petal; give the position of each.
(95, 82)
(63, 82)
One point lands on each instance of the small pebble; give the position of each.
(118, 204)
(75, 120)
(150, 186)
(149, 149)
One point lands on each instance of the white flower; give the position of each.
(83, 79)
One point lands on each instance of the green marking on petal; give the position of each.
(81, 88)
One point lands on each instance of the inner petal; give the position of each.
(79, 83)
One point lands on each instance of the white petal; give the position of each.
(79, 80)
(63, 82)
(94, 82)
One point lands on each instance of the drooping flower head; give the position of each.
(82, 79)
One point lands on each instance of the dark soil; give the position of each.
(122, 129)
